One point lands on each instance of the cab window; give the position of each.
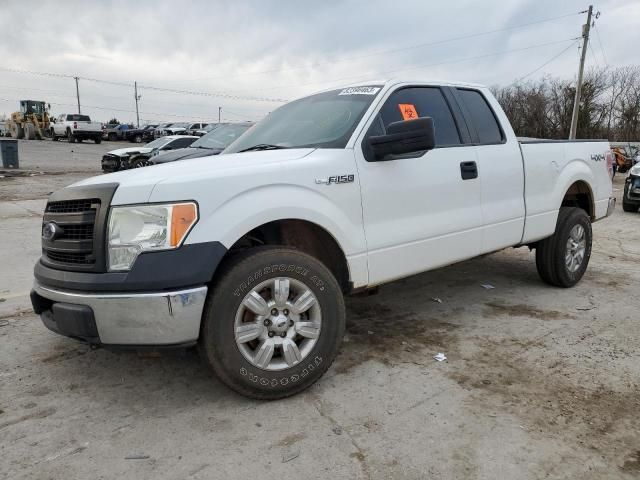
(415, 102)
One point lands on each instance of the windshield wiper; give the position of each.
(262, 146)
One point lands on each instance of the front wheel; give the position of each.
(97, 140)
(273, 322)
(562, 258)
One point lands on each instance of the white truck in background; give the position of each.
(249, 253)
(75, 128)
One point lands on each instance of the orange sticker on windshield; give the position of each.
(408, 111)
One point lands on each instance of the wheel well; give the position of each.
(579, 195)
(304, 236)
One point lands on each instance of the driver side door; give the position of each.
(420, 210)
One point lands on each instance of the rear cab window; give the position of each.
(481, 116)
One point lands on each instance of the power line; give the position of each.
(418, 67)
(149, 87)
(604, 57)
(545, 63)
(96, 107)
(396, 50)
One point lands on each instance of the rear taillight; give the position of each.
(75, 124)
(609, 158)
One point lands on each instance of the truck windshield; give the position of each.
(324, 120)
(221, 136)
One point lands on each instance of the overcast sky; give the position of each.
(274, 50)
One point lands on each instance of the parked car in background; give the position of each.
(176, 128)
(631, 195)
(139, 135)
(125, 158)
(75, 128)
(211, 144)
(160, 129)
(116, 132)
(203, 131)
(194, 127)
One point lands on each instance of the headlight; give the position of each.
(135, 229)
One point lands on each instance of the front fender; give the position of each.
(253, 208)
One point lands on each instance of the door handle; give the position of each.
(468, 170)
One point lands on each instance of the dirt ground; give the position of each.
(538, 383)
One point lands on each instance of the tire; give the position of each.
(282, 375)
(626, 205)
(112, 137)
(141, 162)
(137, 139)
(17, 131)
(552, 253)
(97, 140)
(71, 138)
(53, 135)
(29, 131)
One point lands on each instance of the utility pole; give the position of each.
(219, 113)
(586, 28)
(137, 97)
(77, 93)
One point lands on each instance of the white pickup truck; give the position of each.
(248, 254)
(75, 128)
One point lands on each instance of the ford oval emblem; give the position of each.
(51, 231)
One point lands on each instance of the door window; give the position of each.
(415, 102)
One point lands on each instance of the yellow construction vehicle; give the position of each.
(31, 122)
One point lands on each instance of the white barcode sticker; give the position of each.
(360, 91)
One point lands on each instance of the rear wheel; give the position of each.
(562, 258)
(97, 140)
(137, 139)
(29, 131)
(273, 322)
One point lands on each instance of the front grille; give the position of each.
(77, 232)
(72, 206)
(74, 245)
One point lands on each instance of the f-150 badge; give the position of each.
(336, 179)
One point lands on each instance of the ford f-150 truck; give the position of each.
(249, 254)
(76, 127)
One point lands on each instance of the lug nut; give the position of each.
(285, 311)
(274, 311)
(267, 323)
(271, 334)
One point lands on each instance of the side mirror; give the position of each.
(407, 136)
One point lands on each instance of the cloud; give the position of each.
(283, 49)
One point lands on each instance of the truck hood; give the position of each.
(136, 186)
(124, 152)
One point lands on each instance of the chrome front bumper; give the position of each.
(164, 318)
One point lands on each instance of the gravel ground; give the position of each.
(539, 382)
